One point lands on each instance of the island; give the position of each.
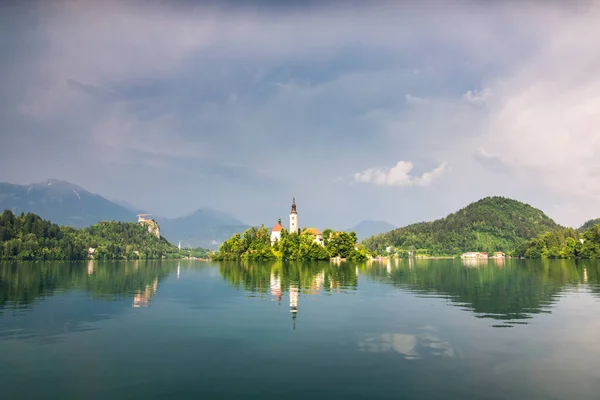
(293, 244)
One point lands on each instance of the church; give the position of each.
(276, 230)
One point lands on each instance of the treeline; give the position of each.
(491, 224)
(255, 245)
(29, 237)
(563, 243)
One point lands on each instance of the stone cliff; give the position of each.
(152, 227)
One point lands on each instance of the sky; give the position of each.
(395, 111)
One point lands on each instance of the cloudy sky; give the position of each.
(383, 110)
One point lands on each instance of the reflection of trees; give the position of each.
(510, 290)
(308, 277)
(22, 283)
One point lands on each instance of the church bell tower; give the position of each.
(294, 218)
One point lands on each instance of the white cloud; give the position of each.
(398, 175)
(544, 119)
(410, 99)
(477, 97)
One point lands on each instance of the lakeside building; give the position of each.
(316, 233)
(474, 255)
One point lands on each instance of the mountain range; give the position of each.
(65, 203)
(488, 224)
(62, 203)
(205, 227)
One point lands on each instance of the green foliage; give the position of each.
(255, 245)
(491, 224)
(558, 243)
(563, 243)
(28, 237)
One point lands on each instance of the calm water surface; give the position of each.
(406, 329)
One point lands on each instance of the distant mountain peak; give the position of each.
(61, 202)
(369, 227)
(56, 185)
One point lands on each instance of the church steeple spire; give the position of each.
(294, 218)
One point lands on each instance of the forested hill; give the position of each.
(491, 224)
(29, 237)
(589, 224)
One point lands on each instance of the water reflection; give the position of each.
(275, 284)
(22, 284)
(474, 262)
(142, 298)
(504, 290)
(311, 279)
(512, 291)
(308, 278)
(294, 302)
(411, 346)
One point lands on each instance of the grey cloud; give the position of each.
(268, 101)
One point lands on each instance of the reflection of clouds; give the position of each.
(407, 344)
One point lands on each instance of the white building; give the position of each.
(276, 232)
(474, 254)
(294, 218)
(317, 234)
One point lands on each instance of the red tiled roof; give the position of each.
(277, 227)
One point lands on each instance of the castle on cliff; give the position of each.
(150, 223)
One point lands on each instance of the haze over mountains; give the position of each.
(368, 228)
(205, 228)
(62, 203)
(65, 203)
(68, 204)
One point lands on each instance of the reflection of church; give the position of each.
(294, 291)
(275, 283)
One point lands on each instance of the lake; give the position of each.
(410, 329)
